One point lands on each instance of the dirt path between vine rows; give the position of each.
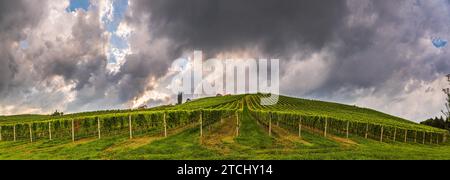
(220, 135)
(343, 141)
(140, 141)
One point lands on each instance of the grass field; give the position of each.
(219, 140)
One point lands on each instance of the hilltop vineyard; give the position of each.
(294, 115)
(339, 120)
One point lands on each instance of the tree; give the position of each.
(442, 122)
(56, 113)
(436, 122)
(180, 98)
(446, 111)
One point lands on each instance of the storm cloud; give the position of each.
(369, 53)
(216, 26)
(15, 16)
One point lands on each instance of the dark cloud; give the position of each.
(15, 16)
(225, 25)
(275, 28)
(387, 44)
(85, 58)
(377, 46)
(75, 54)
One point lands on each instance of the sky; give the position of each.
(85, 55)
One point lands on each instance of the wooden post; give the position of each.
(423, 139)
(201, 124)
(367, 130)
(270, 126)
(50, 130)
(165, 125)
(406, 135)
(444, 140)
(0, 133)
(431, 138)
(348, 128)
(381, 137)
(73, 130)
(99, 131)
(237, 124)
(395, 134)
(130, 125)
(14, 132)
(415, 136)
(31, 132)
(300, 128)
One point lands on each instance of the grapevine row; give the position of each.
(285, 115)
(133, 124)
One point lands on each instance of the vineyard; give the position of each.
(341, 120)
(153, 122)
(298, 117)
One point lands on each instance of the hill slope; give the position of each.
(337, 111)
(228, 127)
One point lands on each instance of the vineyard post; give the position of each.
(14, 132)
(395, 134)
(406, 135)
(201, 124)
(73, 130)
(130, 126)
(437, 138)
(237, 124)
(165, 125)
(381, 137)
(348, 126)
(325, 130)
(99, 131)
(0, 133)
(50, 130)
(270, 125)
(31, 132)
(415, 136)
(367, 130)
(300, 127)
(423, 139)
(431, 138)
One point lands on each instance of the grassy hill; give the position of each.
(228, 127)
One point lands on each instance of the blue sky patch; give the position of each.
(439, 42)
(120, 7)
(78, 4)
(24, 44)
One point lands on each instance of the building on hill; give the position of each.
(180, 98)
(56, 113)
(143, 107)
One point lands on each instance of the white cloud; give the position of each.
(419, 103)
(305, 74)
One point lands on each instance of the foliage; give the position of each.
(288, 113)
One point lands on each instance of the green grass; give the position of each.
(253, 143)
(219, 142)
(23, 118)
